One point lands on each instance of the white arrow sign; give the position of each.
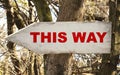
(65, 37)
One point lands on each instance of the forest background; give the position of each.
(17, 14)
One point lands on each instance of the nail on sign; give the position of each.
(65, 37)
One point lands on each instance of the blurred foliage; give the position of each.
(82, 63)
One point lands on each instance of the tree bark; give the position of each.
(110, 61)
(43, 10)
(18, 20)
(60, 64)
(10, 45)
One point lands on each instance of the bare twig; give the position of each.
(3, 53)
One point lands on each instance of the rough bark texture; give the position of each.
(71, 10)
(42, 10)
(60, 64)
(57, 64)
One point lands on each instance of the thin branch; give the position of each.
(22, 14)
(3, 53)
(16, 5)
(117, 43)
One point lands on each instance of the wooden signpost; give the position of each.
(65, 37)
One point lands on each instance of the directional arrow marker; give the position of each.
(65, 37)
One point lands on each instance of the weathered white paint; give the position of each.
(24, 39)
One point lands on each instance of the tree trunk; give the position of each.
(44, 14)
(43, 10)
(60, 64)
(10, 45)
(110, 61)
